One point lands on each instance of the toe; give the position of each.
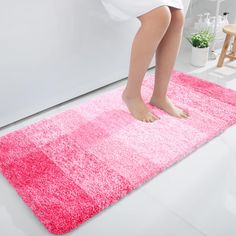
(184, 115)
(153, 119)
(150, 119)
(185, 112)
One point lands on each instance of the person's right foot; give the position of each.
(167, 106)
(138, 109)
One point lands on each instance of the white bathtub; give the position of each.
(55, 50)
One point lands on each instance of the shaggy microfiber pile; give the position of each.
(72, 165)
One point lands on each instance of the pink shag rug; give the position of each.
(72, 165)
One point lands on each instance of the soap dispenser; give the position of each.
(224, 22)
(225, 18)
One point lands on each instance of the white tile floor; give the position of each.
(195, 197)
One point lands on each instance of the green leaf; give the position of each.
(200, 39)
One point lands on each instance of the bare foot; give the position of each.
(138, 108)
(169, 107)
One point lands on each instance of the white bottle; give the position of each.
(198, 24)
(219, 27)
(212, 26)
(206, 24)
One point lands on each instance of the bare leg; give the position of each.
(165, 59)
(153, 27)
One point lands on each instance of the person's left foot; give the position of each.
(169, 107)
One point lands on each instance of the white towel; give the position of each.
(120, 10)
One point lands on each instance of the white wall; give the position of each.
(54, 50)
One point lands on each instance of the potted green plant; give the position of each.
(200, 42)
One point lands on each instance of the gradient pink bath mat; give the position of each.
(71, 166)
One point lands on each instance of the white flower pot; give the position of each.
(199, 56)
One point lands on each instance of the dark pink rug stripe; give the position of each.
(225, 95)
(56, 200)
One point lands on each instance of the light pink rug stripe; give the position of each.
(72, 165)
